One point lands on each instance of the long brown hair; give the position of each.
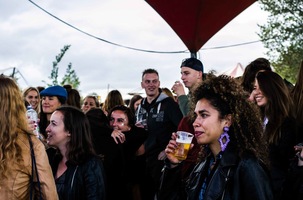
(12, 121)
(114, 98)
(279, 104)
(297, 95)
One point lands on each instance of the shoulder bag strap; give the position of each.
(34, 170)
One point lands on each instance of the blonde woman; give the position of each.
(31, 96)
(15, 151)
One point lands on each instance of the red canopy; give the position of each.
(196, 21)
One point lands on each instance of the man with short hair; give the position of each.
(162, 115)
(191, 75)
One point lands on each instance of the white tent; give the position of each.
(235, 71)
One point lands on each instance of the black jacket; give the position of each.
(163, 116)
(233, 179)
(84, 181)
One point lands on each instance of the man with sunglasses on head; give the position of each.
(160, 115)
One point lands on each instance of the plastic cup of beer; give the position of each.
(183, 141)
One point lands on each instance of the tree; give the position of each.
(69, 78)
(283, 35)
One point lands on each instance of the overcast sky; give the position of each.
(30, 40)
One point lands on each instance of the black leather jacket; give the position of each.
(84, 181)
(233, 179)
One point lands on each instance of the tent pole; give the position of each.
(193, 54)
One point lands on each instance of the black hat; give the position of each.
(193, 63)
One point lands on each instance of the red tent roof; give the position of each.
(196, 21)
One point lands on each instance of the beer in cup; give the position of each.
(183, 141)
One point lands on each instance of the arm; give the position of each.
(183, 104)
(48, 187)
(94, 180)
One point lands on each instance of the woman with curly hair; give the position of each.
(15, 150)
(230, 129)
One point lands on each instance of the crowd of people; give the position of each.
(247, 141)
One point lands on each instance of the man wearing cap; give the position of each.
(191, 75)
(52, 98)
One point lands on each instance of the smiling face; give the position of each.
(208, 125)
(258, 95)
(119, 121)
(32, 98)
(150, 82)
(190, 76)
(57, 135)
(50, 104)
(88, 103)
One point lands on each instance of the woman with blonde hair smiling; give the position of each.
(31, 95)
(16, 147)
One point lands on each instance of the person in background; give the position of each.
(168, 93)
(111, 153)
(114, 98)
(249, 74)
(40, 88)
(15, 152)
(294, 182)
(230, 128)
(192, 76)
(161, 115)
(52, 98)
(89, 102)
(78, 172)
(272, 96)
(132, 138)
(32, 96)
(134, 103)
(73, 96)
(297, 96)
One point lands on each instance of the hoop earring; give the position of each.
(226, 136)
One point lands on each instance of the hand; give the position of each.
(32, 125)
(178, 88)
(141, 124)
(170, 149)
(118, 135)
(299, 150)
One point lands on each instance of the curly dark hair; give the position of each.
(228, 97)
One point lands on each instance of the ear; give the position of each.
(142, 85)
(68, 134)
(199, 75)
(228, 120)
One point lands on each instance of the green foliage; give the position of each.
(70, 77)
(283, 35)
